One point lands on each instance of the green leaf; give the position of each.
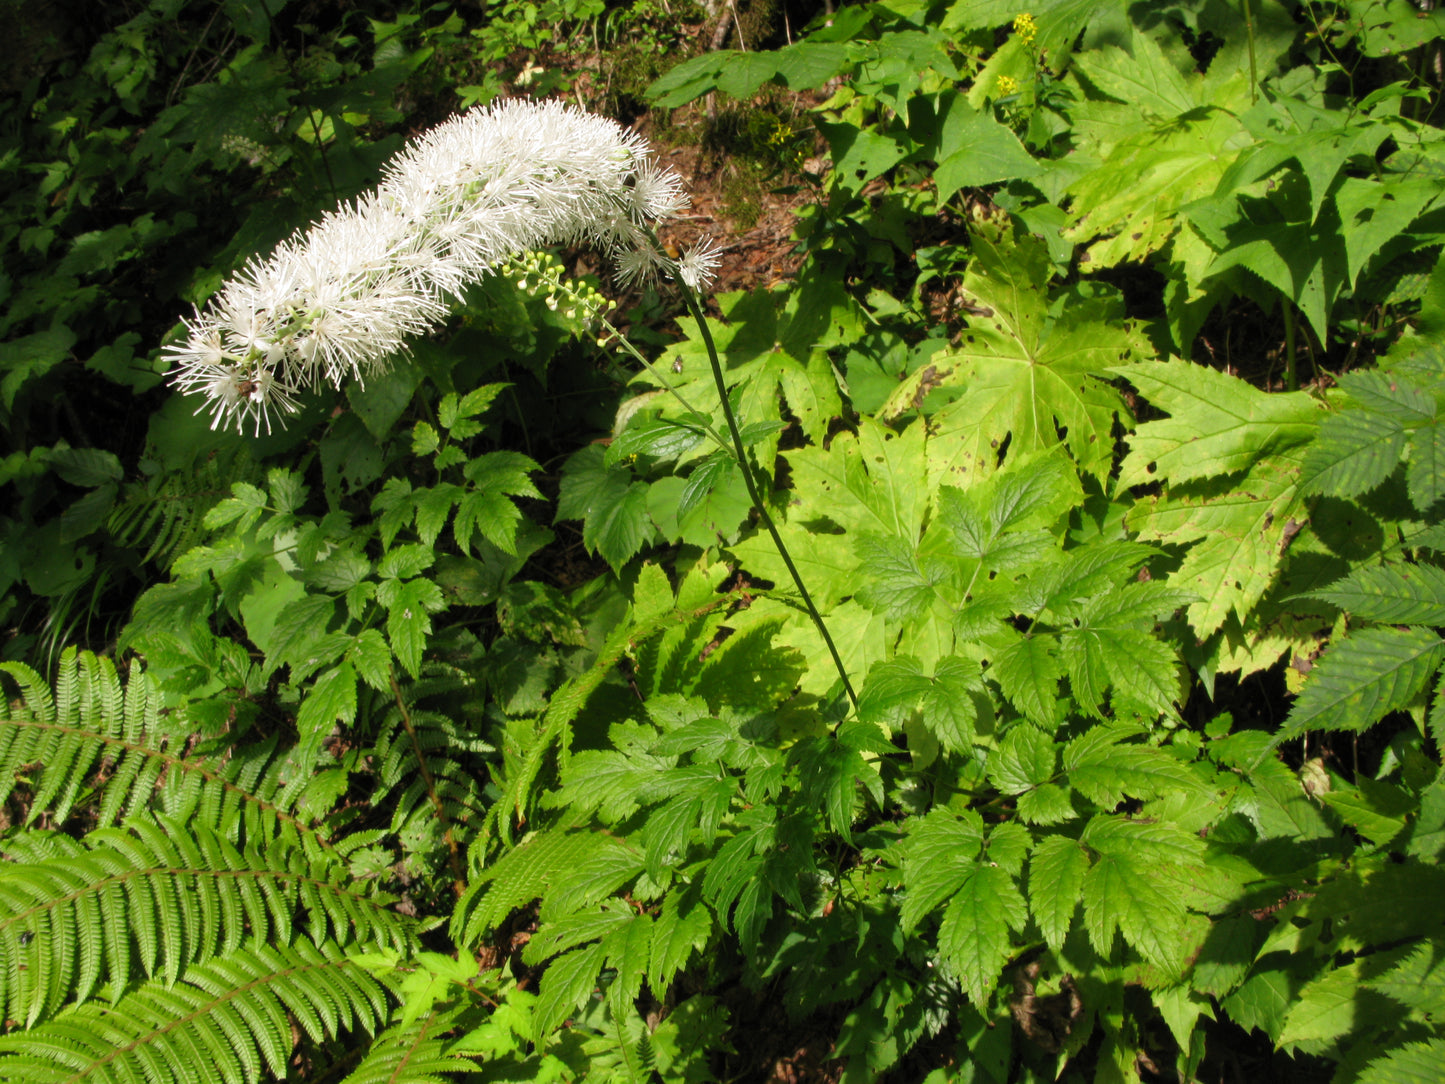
(612, 506)
(860, 155)
(1024, 759)
(1105, 770)
(372, 659)
(404, 562)
(332, 699)
(688, 80)
(1057, 869)
(831, 767)
(1417, 981)
(1217, 424)
(1330, 1007)
(896, 689)
(1022, 376)
(1425, 476)
(939, 852)
(1109, 647)
(1394, 594)
(87, 467)
(683, 926)
(382, 400)
(974, 936)
(1363, 677)
(1414, 1063)
(988, 153)
(1123, 890)
(1239, 531)
(897, 584)
(663, 439)
(408, 620)
(567, 984)
(1046, 804)
(1146, 79)
(1355, 452)
(1028, 670)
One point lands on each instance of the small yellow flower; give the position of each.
(1026, 28)
(1006, 85)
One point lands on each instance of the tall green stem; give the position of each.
(1291, 377)
(1249, 34)
(740, 451)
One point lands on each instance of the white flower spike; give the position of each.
(336, 300)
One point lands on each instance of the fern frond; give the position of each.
(414, 1053)
(167, 513)
(157, 896)
(93, 735)
(227, 1020)
(91, 727)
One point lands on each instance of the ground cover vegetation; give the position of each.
(471, 726)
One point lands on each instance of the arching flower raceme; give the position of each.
(333, 302)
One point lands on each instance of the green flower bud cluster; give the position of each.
(540, 274)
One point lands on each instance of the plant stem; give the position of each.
(1249, 33)
(667, 384)
(1291, 380)
(695, 307)
(454, 857)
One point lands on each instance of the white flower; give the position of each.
(699, 266)
(337, 300)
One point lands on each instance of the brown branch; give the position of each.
(454, 857)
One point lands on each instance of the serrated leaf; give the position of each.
(408, 620)
(1106, 770)
(1123, 892)
(371, 658)
(897, 584)
(1045, 805)
(1414, 1063)
(1024, 377)
(1028, 671)
(1363, 677)
(938, 853)
(1425, 476)
(1107, 648)
(1239, 529)
(618, 530)
(1025, 758)
(1394, 594)
(1217, 424)
(433, 507)
(683, 927)
(1330, 1007)
(1057, 869)
(831, 767)
(1388, 393)
(896, 689)
(404, 562)
(974, 936)
(1355, 451)
(566, 985)
(331, 699)
(298, 628)
(1417, 981)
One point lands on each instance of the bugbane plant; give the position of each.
(333, 302)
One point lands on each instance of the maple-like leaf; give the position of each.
(1020, 374)
(1142, 174)
(1237, 452)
